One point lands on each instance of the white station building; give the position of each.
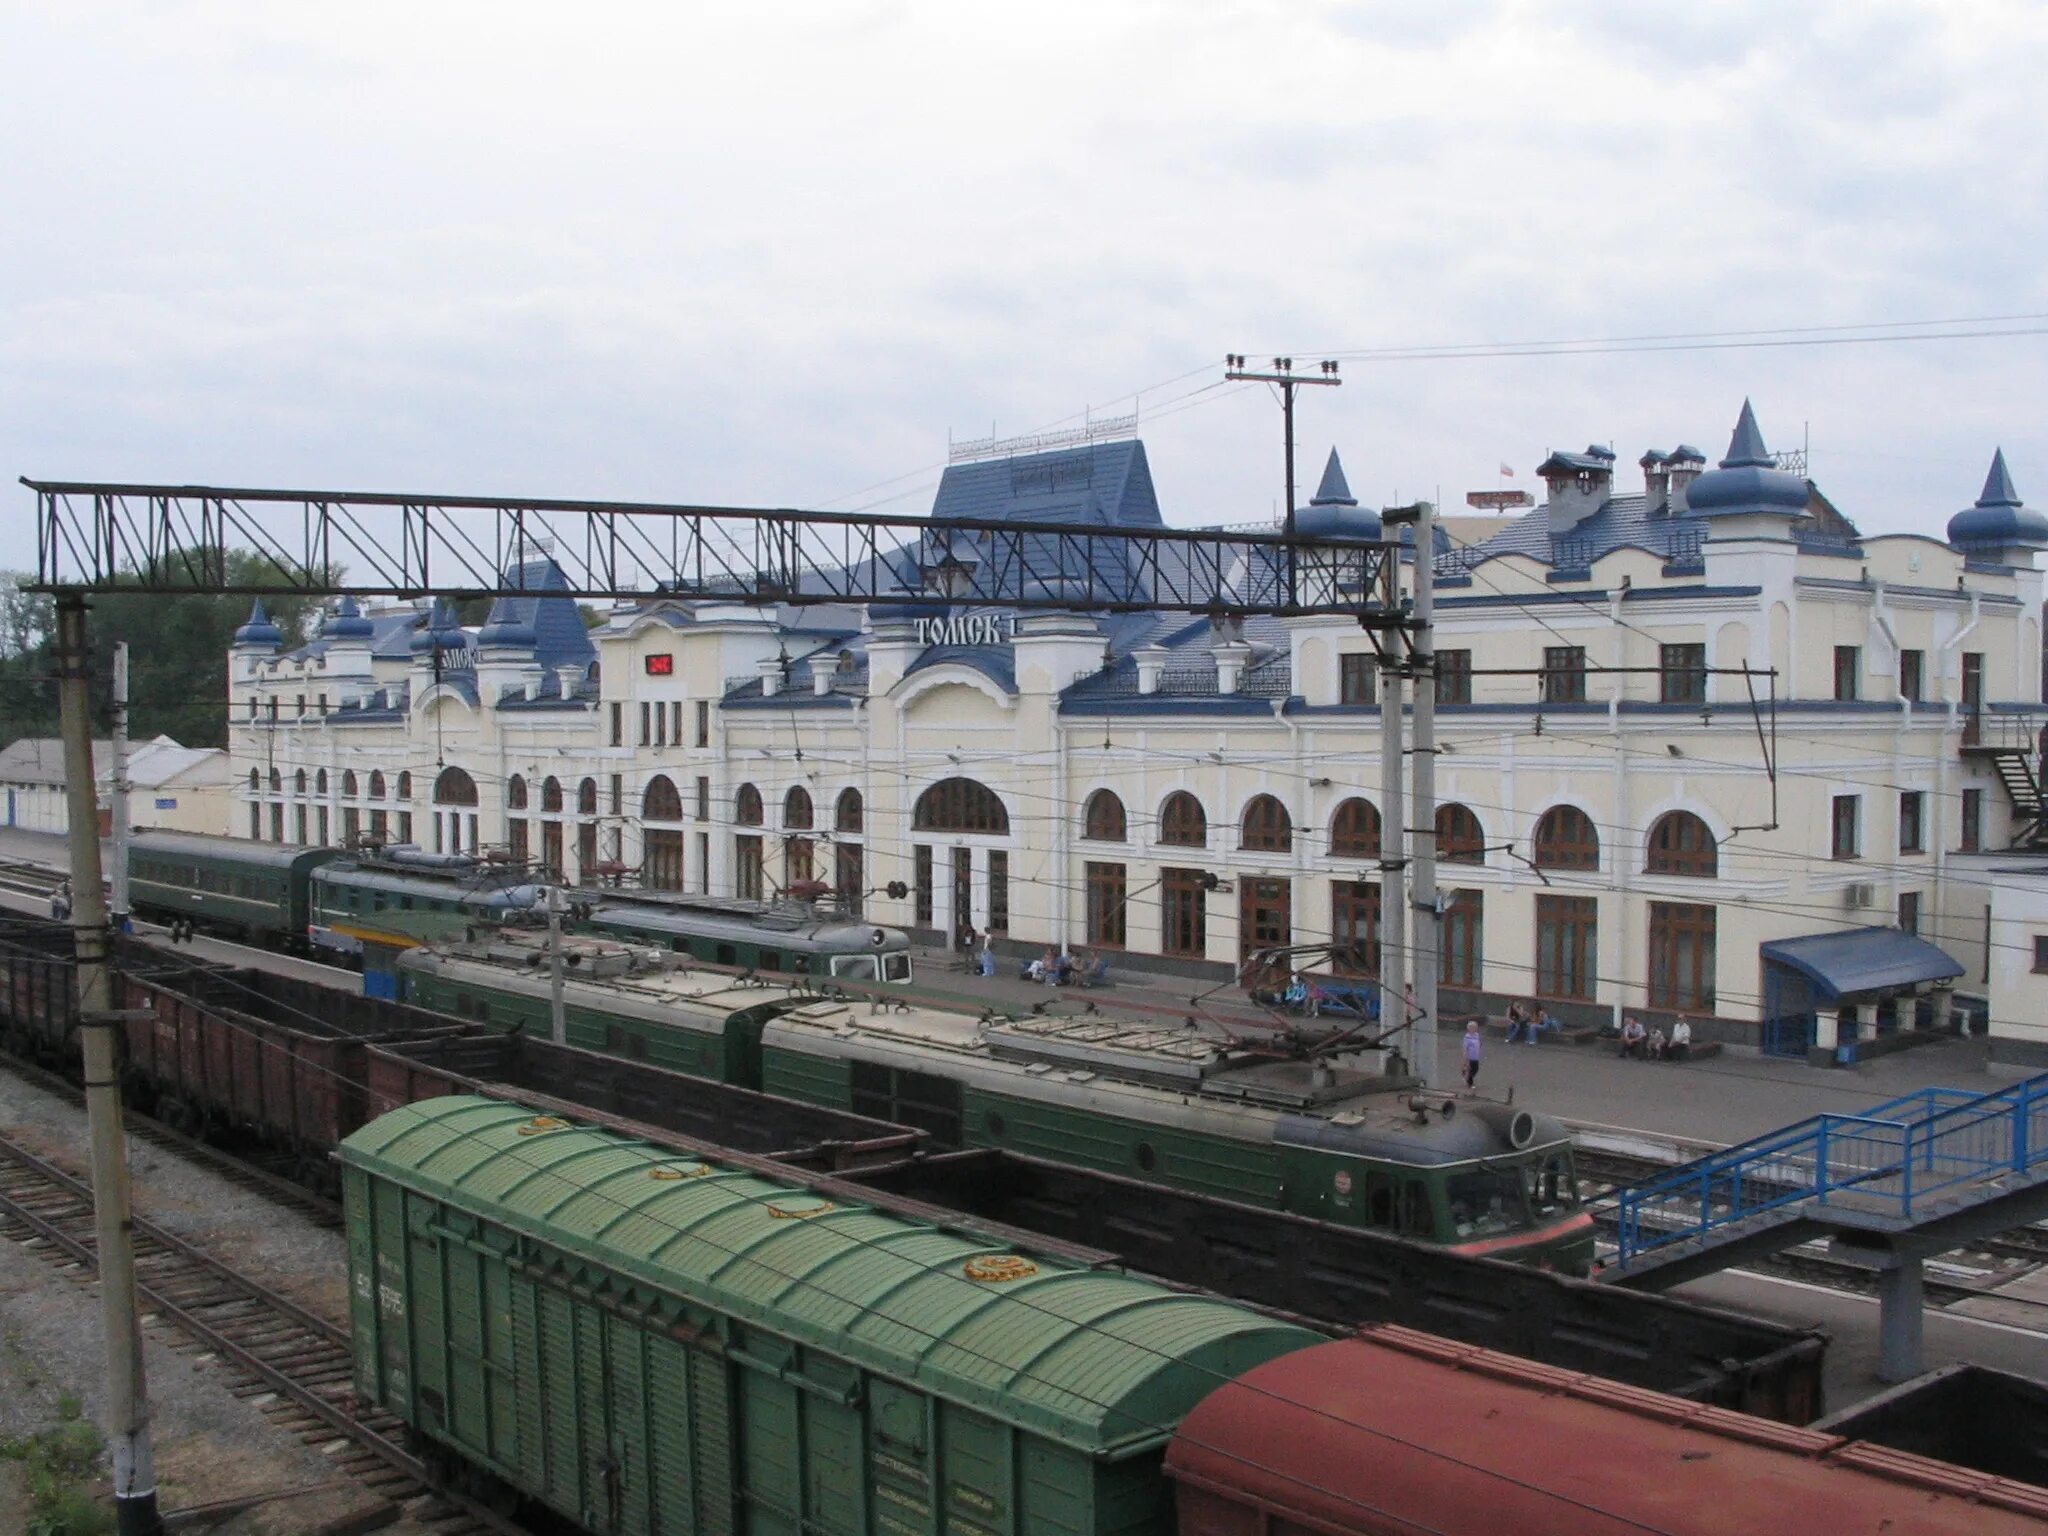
(1797, 858)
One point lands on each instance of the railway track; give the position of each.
(265, 1342)
(2021, 1248)
(263, 1173)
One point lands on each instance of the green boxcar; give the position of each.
(233, 884)
(651, 1345)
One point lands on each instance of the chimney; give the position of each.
(1151, 660)
(1231, 657)
(1656, 482)
(770, 668)
(1683, 465)
(570, 677)
(823, 666)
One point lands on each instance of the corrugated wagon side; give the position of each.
(659, 1345)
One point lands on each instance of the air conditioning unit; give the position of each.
(1861, 894)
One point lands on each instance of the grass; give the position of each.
(59, 1463)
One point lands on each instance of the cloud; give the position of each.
(748, 254)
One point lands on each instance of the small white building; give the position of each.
(177, 788)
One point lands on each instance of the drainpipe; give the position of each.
(1948, 645)
(1882, 614)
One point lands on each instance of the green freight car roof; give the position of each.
(1095, 1359)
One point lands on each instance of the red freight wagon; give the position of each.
(240, 1052)
(1396, 1433)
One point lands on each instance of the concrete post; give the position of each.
(1826, 1030)
(1902, 1309)
(135, 1512)
(118, 793)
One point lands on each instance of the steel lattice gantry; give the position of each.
(95, 537)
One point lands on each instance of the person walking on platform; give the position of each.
(1471, 1052)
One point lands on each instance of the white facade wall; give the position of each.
(1622, 757)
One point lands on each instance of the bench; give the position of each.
(1569, 1034)
(1699, 1050)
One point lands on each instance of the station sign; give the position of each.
(966, 629)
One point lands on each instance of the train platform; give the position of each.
(1670, 1108)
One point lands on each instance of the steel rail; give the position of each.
(304, 1398)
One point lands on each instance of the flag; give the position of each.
(1506, 473)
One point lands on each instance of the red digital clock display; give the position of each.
(662, 664)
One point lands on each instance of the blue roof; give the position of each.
(1748, 480)
(1109, 484)
(1333, 512)
(1862, 960)
(1999, 518)
(259, 630)
(347, 623)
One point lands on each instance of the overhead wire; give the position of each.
(809, 1280)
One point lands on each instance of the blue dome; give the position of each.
(1998, 520)
(1333, 512)
(440, 632)
(506, 625)
(259, 630)
(1748, 480)
(347, 623)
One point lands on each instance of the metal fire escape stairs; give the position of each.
(2012, 757)
(1891, 1187)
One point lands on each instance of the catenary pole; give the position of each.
(1422, 810)
(558, 1015)
(119, 797)
(135, 1511)
(1393, 853)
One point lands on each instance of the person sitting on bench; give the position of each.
(1094, 971)
(1634, 1038)
(1679, 1046)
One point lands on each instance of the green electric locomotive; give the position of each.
(1183, 1107)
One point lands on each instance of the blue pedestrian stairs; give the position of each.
(1926, 1172)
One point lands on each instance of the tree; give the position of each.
(177, 654)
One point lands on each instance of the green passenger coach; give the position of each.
(225, 884)
(656, 1345)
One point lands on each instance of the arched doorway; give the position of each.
(455, 803)
(976, 889)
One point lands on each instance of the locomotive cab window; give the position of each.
(857, 967)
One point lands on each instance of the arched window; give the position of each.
(255, 779)
(551, 794)
(299, 782)
(1182, 821)
(320, 782)
(1682, 844)
(1355, 830)
(454, 787)
(276, 781)
(1105, 818)
(348, 784)
(376, 783)
(1459, 837)
(1267, 827)
(849, 814)
(586, 798)
(662, 802)
(405, 786)
(1566, 839)
(959, 805)
(515, 793)
(746, 807)
(797, 814)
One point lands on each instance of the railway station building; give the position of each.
(1628, 819)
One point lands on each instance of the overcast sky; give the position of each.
(771, 253)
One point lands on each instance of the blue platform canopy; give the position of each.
(1862, 961)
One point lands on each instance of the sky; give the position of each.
(778, 253)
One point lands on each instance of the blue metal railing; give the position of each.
(1892, 1159)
